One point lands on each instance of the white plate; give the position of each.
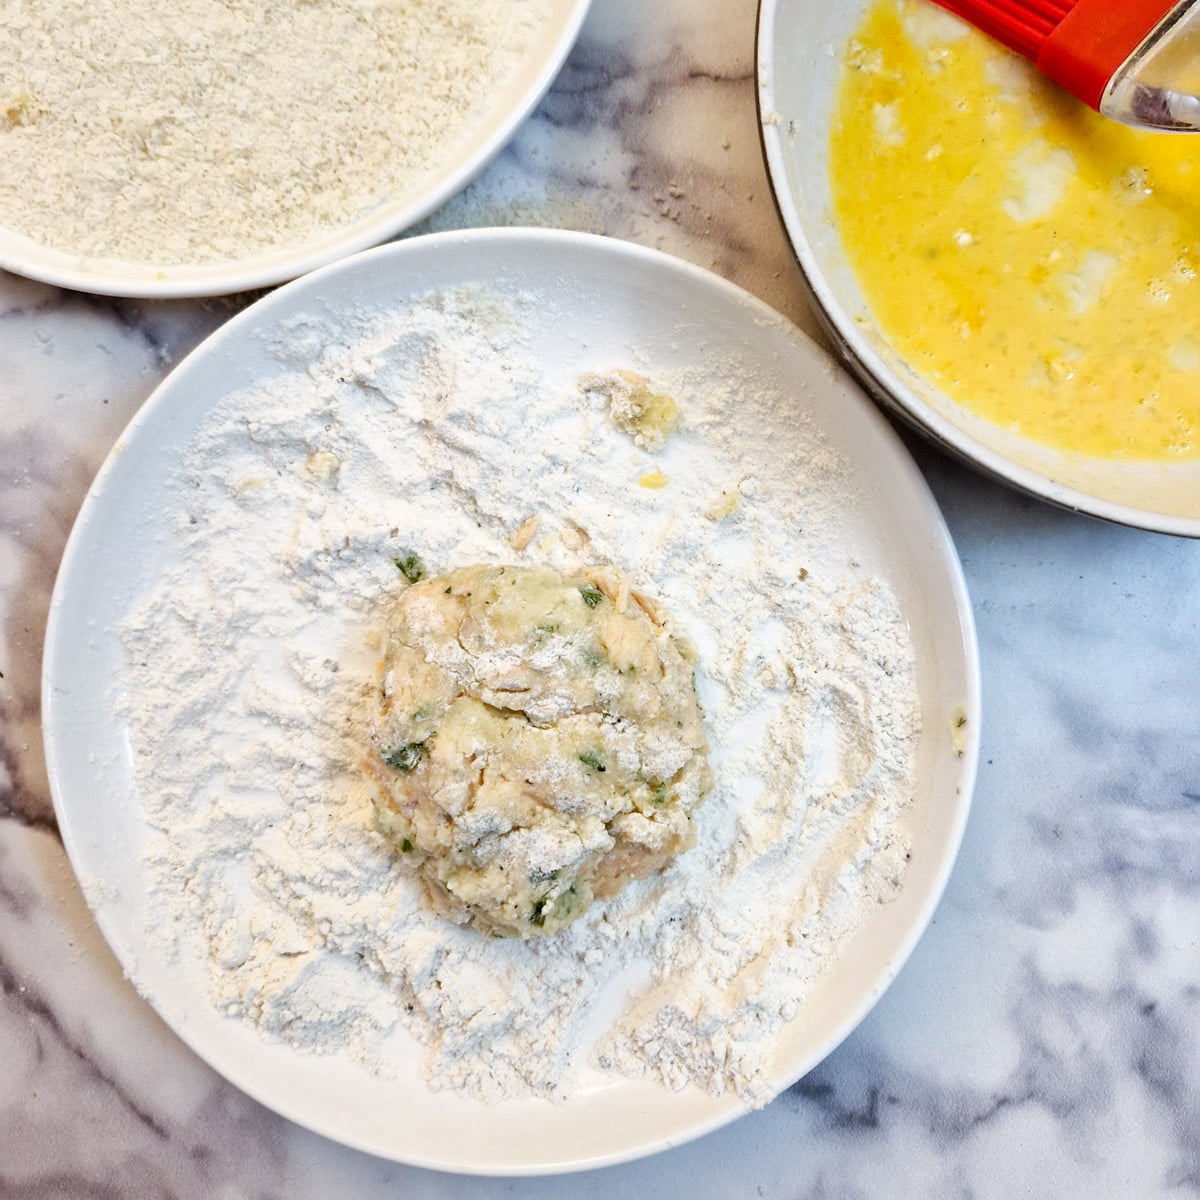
(618, 302)
(800, 47)
(464, 157)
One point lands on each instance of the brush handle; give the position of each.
(1158, 85)
(1095, 39)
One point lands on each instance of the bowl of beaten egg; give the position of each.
(1002, 267)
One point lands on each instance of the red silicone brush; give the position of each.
(1137, 61)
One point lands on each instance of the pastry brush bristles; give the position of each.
(1022, 25)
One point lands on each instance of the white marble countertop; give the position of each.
(1044, 1040)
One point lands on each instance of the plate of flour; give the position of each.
(214, 644)
(192, 148)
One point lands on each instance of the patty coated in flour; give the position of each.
(537, 745)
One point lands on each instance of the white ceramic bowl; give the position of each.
(800, 47)
(465, 156)
(598, 300)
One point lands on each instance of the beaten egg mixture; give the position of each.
(1033, 259)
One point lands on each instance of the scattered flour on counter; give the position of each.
(433, 430)
(196, 131)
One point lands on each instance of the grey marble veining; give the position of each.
(1044, 1039)
(76, 368)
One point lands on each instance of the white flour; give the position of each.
(191, 131)
(433, 430)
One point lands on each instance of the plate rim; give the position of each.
(729, 1108)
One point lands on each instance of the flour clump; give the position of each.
(538, 743)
